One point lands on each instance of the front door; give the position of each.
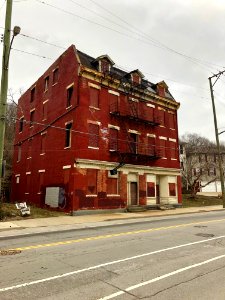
(133, 193)
(157, 194)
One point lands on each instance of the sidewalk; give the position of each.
(39, 226)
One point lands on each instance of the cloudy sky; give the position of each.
(179, 41)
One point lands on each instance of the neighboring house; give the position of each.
(91, 136)
(202, 167)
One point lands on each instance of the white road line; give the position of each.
(133, 287)
(105, 264)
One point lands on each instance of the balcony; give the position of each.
(134, 152)
(135, 113)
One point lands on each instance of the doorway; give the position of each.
(157, 194)
(133, 193)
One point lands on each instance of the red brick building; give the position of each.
(91, 136)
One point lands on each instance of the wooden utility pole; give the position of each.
(4, 80)
(217, 76)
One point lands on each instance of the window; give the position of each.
(32, 118)
(113, 102)
(32, 94)
(55, 76)
(150, 189)
(19, 153)
(41, 181)
(93, 130)
(113, 139)
(68, 135)
(46, 83)
(28, 180)
(17, 179)
(43, 142)
(163, 147)
(112, 186)
(21, 124)
(94, 97)
(104, 66)
(173, 149)
(44, 111)
(212, 171)
(92, 181)
(162, 117)
(172, 121)
(133, 143)
(151, 145)
(69, 96)
(29, 149)
(172, 189)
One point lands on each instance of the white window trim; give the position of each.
(163, 138)
(17, 175)
(134, 131)
(95, 148)
(160, 108)
(41, 171)
(44, 132)
(94, 122)
(113, 92)
(33, 109)
(66, 167)
(90, 195)
(95, 86)
(133, 99)
(113, 127)
(45, 101)
(28, 173)
(69, 86)
(112, 195)
(151, 135)
(150, 105)
(172, 140)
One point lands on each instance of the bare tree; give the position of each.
(200, 162)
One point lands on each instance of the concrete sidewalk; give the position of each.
(28, 227)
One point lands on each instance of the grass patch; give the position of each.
(8, 211)
(200, 200)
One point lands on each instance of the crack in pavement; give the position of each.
(182, 282)
(122, 290)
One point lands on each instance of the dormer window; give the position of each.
(104, 63)
(136, 77)
(162, 88)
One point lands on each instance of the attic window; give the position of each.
(135, 78)
(104, 66)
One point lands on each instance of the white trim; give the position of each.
(70, 85)
(22, 117)
(68, 107)
(41, 171)
(26, 193)
(45, 101)
(69, 122)
(67, 167)
(95, 148)
(33, 109)
(28, 173)
(160, 108)
(93, 107)
(113, 92)
(94, 122)
(151, 135)
(112, 195)
(163, 157)
(172, 140)
(91, 195)
(17, 175)
(44, 132)
(173, 158)
(95, 86)
(113, 126)
(171, 112)
(163, 138)
(150, 105)
(42, 153)
(134, 131)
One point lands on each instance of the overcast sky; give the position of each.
(179, 41)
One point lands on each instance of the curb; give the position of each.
(22, 235)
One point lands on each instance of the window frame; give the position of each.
(68, 135)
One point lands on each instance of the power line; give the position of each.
(30, 53)
(41, 41)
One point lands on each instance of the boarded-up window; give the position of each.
(44, 111)
(150, 189)
(113, 102)
(43, 142)
(32, 118)
(173, 150)
(151, 145)
(112, 186)
(172, 189)
(163, 148)
(32, 94)
(161, 117)
(113, 139)
(46, 83)
(28, 180)
(93, 130)
(171, 121)
(94, 97)
(92, 181)
(150, 113)
(68, 135)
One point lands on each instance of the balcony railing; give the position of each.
(135, 151)
(135, 113)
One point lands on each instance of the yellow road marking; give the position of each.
(107, 236)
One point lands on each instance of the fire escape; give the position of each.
(130, 149)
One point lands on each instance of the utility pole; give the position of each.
(217, 76)
(4, 80)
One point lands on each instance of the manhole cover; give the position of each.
(9, 252)
(200, 226)
(205, 234)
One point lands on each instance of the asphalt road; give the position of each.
(178, 257)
